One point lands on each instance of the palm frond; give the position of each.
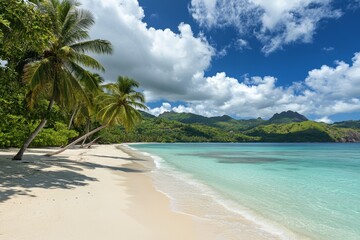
(68, 93)
(75, 36)
(65, 12)
(96, 46)
(83, 76)
(87, 61)
(119, 103)
(36, 73)
(61, 74)
(85, 19)
(76, 26)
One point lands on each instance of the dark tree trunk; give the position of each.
(76, 141)
(28, 141)
(91, 143)
(87, 131)
(72, 118)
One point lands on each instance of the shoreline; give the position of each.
(226, 219)
(116, 182)
(207, 207)
(98, 193)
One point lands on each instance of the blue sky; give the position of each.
(243, 58)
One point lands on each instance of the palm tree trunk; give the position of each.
(72, 118)
(91, 143)
(26, 144)
(83, 142)
(76, 141)
(87, 131)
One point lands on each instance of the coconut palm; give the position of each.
(81, 111)
(59, 74)
(118, 105)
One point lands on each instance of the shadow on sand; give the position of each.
(36, 171)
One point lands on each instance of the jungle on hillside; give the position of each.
(52, 95)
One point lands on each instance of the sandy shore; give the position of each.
(98, 193)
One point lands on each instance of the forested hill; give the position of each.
(187, 127)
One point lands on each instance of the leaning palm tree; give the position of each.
(81, 111)
(59, 74)
(118, 105)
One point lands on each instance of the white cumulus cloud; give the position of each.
(275, 23)
(160, 59)
(341, 82)
(165, 107)
(325, 92)
(324, 120)
(171, 67)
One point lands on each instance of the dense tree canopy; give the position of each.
(44, 69)
(24, 31)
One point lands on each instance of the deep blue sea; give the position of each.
(289, 191)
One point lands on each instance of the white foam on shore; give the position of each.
(192, 197)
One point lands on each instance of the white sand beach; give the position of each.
(97, 193)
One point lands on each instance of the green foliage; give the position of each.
(13, 114)
(185, 117)
(250, 123)
(120, 102)
(164, 130)
(17, 122)
(225, 122)
(56, 135)
(17, 128)
(12, 92)
(3, 24)
(348, 124)
(160, 129)
(23, 31)
(287, 117)
(13, 130)
(60, 72)
(308, 131)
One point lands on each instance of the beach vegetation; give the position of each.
(118, 105)
(58, 75)
(25, 30)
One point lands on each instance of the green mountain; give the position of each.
(184, 117)
(146, 115)
(287, 117)
(165, 130)
(187, 127)
(307, 131)
(225, 122)
(348, 124)
(251, 123)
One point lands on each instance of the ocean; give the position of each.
(271, 190)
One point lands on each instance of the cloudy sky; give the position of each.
(243, 58)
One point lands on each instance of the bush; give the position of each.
(16, 129)
(58, 135)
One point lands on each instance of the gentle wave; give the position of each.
(287, 191)
(227, 208)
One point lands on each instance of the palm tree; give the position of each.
(118, 105)
(59, 75)
(81, 111)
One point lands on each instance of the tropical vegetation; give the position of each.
(186, 127)
(58, 73)
(117, 105)
(49, 95)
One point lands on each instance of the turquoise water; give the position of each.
(290, 191)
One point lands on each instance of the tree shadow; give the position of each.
(37, 171)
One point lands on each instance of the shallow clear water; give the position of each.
(292, 191)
